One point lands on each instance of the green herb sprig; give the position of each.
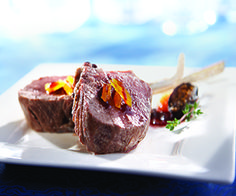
(189, 112)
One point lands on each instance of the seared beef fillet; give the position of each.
(101, 127)
(44, 112)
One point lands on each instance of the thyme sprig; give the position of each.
(190, 111)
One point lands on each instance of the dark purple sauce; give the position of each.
(160, 118)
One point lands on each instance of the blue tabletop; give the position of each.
(102, 43)
(30, 180)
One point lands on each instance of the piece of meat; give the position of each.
(46, 112)
(101, 127)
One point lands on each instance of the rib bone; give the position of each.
(167, 84)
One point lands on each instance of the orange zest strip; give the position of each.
(69, 90)
(117, 100)
(68, 87)
(106, 92)
(66, 84)
(121, 90)
(54, 86)
(70, 80)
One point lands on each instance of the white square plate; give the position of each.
(204, 150)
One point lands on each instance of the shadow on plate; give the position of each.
(13, 131)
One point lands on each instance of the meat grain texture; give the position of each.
(101, 127)
(46, 112)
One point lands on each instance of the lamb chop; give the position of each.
(101, 126)
(46, 112)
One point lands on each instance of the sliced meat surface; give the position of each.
(46, 112)
(101, 127)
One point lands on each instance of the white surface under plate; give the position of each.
(204, 150)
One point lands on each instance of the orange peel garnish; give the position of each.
(120, 93)
(106, 92)
(66, 84)
(117, 100)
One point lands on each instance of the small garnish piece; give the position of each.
(106, 92)
(54, 86)
(68, 88)
(163, 105)
(116, 98)
(66, 84)
(70, 80)
(171, 124)
(189, 112)
(121, 90)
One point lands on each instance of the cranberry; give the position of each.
(160, 118)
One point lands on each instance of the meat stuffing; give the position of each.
(101, 127)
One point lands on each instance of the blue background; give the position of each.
(102, 43)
